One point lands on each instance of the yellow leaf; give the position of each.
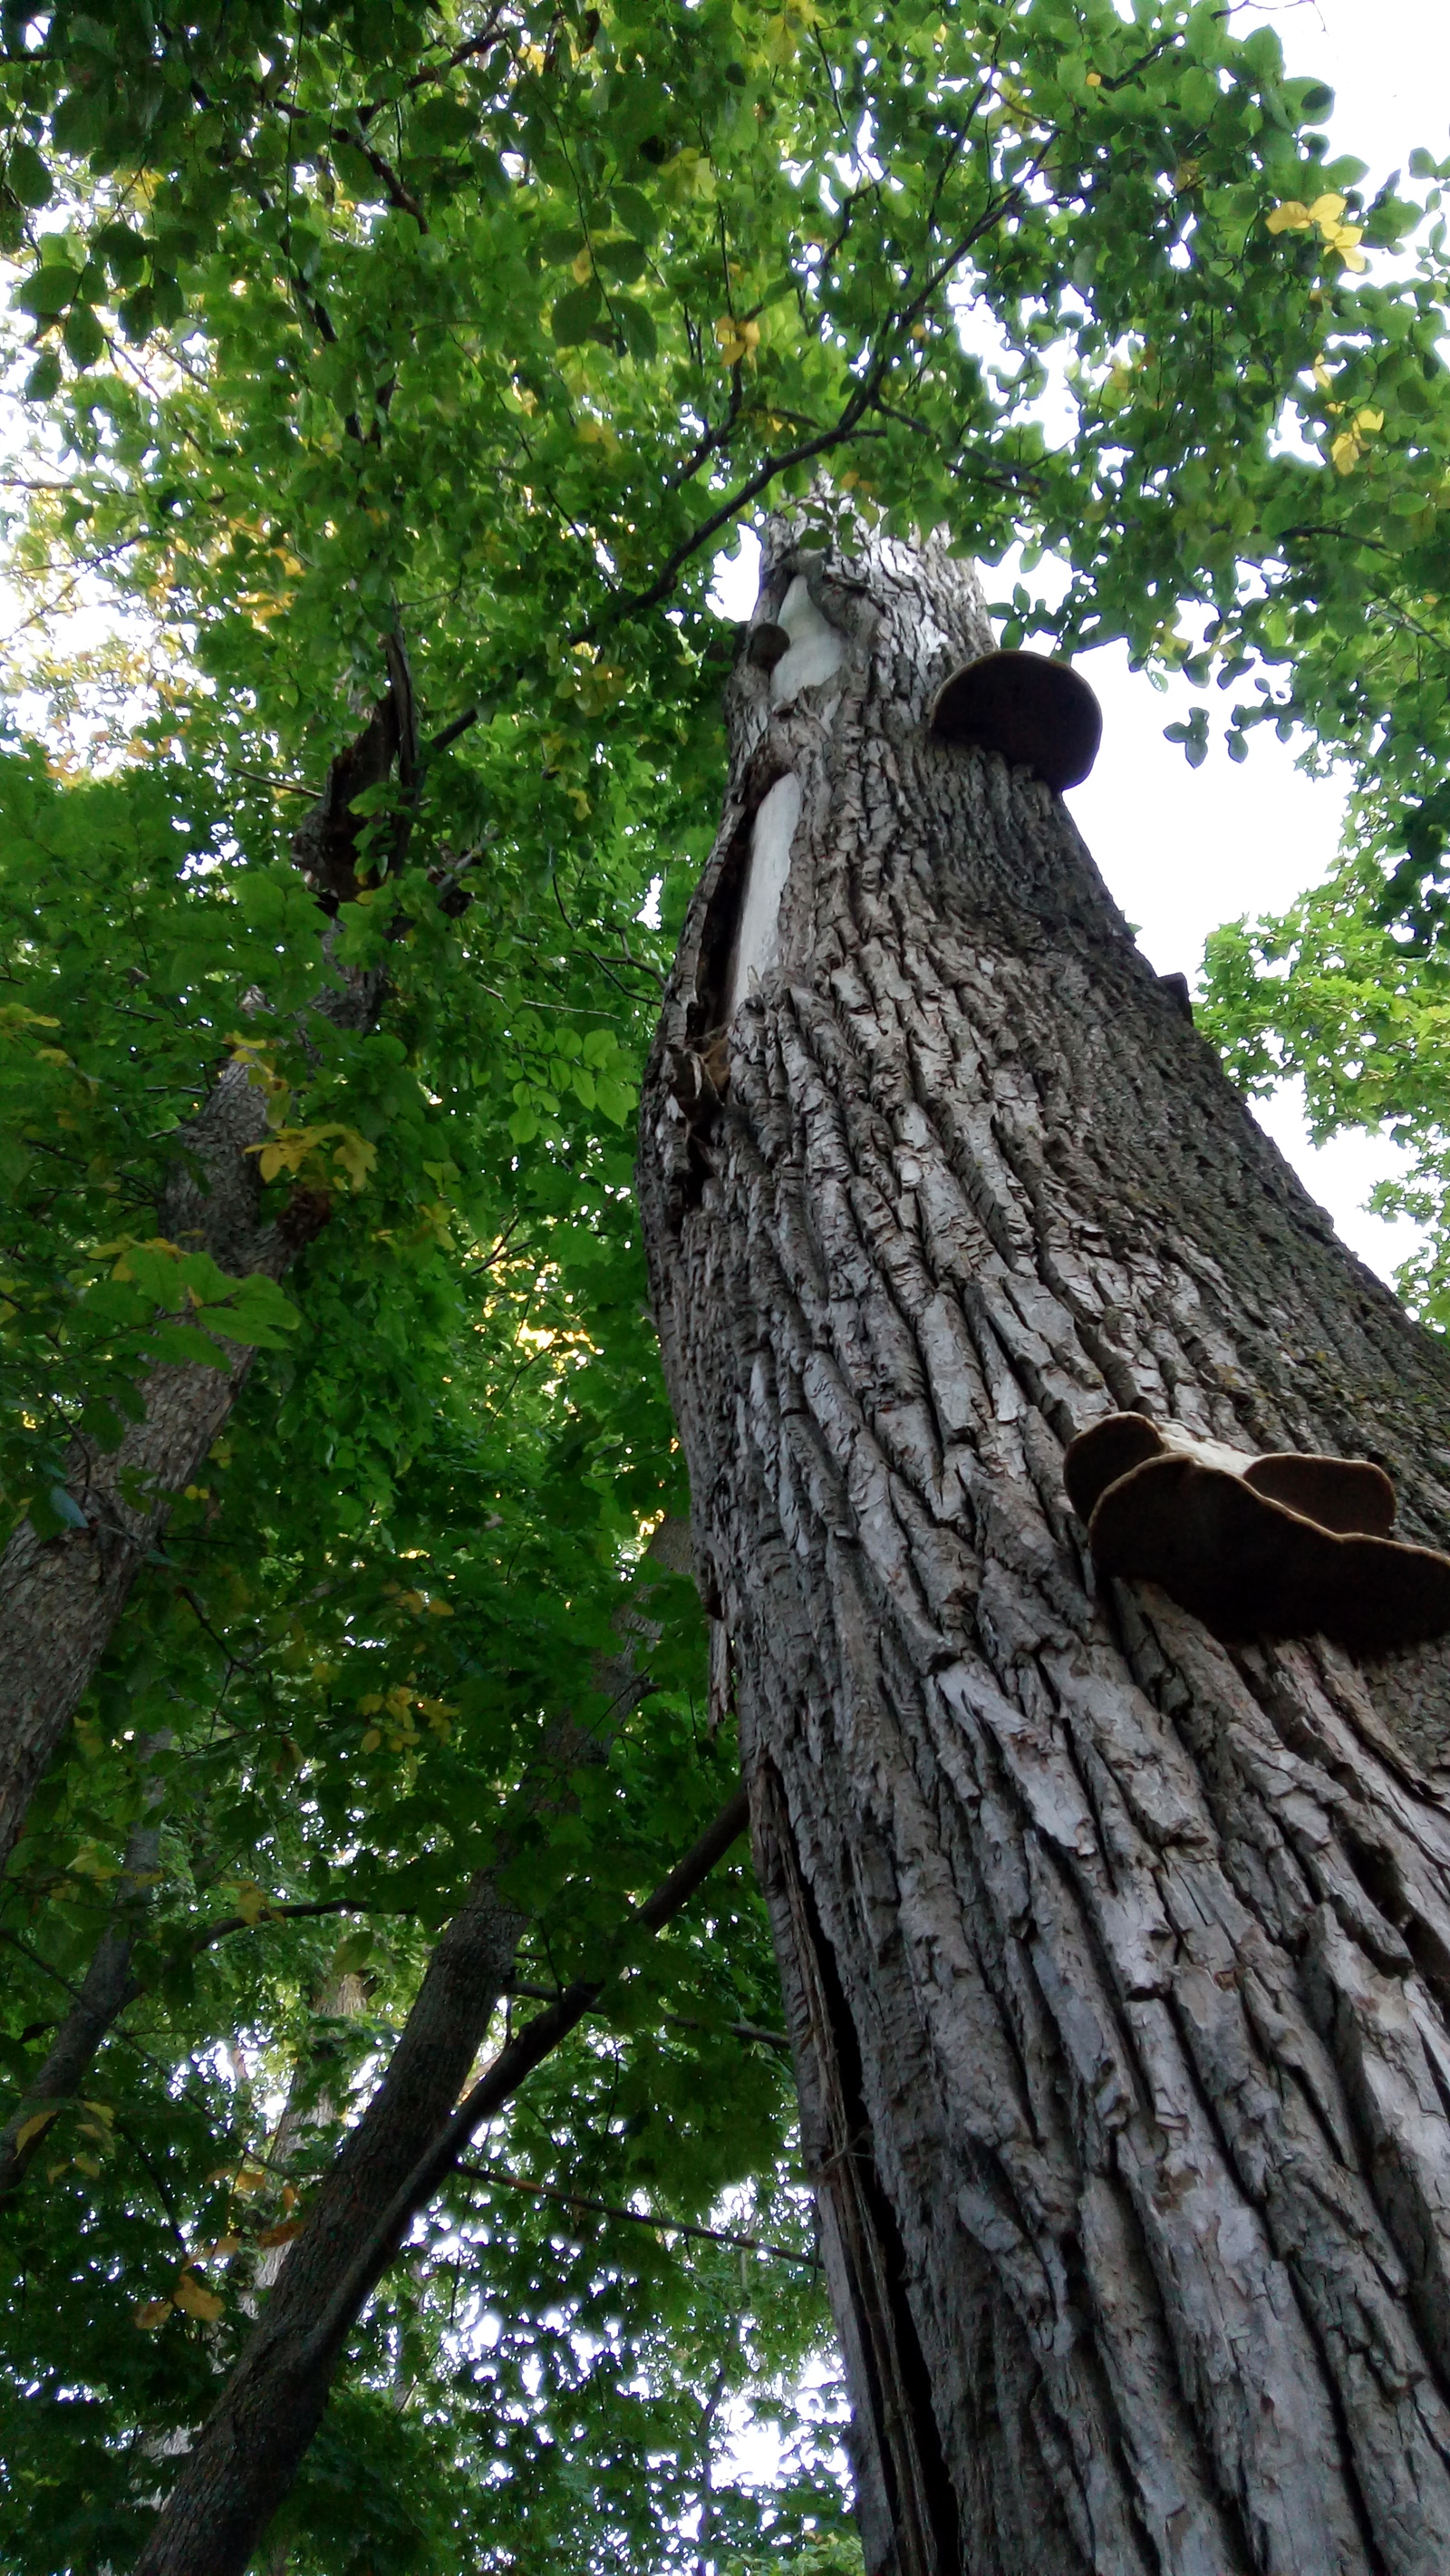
(282, 2233)
(195, 2301)
(1290, 217)
(150, 2314)
(1094, 80)
(252, 1901)
(372, 1740)
(581, 266)
(736, 340)
(1322, 376)
(370, 1703)
(578, 800)
(1369, 420)
(1342, 239)
(399, 1701)
(14, 1015)
(353, 1152)
(1326, 210)
(440, 1609)
(1346, 452)
(687, 173)
(32, 2127)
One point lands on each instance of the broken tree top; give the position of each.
(1278, 1546)
(1039, 714)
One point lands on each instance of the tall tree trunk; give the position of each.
(1117, 1960)
(247, 2454)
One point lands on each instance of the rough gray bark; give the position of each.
(1117, 1962)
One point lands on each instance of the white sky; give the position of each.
(1183, 849)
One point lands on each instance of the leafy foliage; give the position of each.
(479, 331)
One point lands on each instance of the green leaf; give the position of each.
(636, 328)
(48, 290)
(83, 336)
(576, 313)
(27, 176)
(44, 378)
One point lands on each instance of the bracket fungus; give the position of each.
(1038, 713)
(1286, 1545)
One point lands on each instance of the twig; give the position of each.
(685, 2021)
(640, 2217)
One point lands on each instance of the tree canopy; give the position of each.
(468, 336)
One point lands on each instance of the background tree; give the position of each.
(476, 332)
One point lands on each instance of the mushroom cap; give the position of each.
(1250, 1567)
(1103, 1453)
(1038, 713)
(1286, 1545)
(1338, 1493)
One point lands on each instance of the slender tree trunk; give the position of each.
(402, 2149)
(106, 1989)
(401, 2152)
(247, 2454)
(1117, 1961)
(60, 1598)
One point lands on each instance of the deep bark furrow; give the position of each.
(1144, 1943)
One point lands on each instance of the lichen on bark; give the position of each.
(1117, 1960)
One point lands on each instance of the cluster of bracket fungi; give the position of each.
(1286, 1545)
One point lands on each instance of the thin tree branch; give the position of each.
(639, 2217)
(502, 2080)
(748, 2030)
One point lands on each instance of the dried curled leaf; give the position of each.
(195, 2300)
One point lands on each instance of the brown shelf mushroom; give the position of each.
(1038, 713)
(1285, 1545)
